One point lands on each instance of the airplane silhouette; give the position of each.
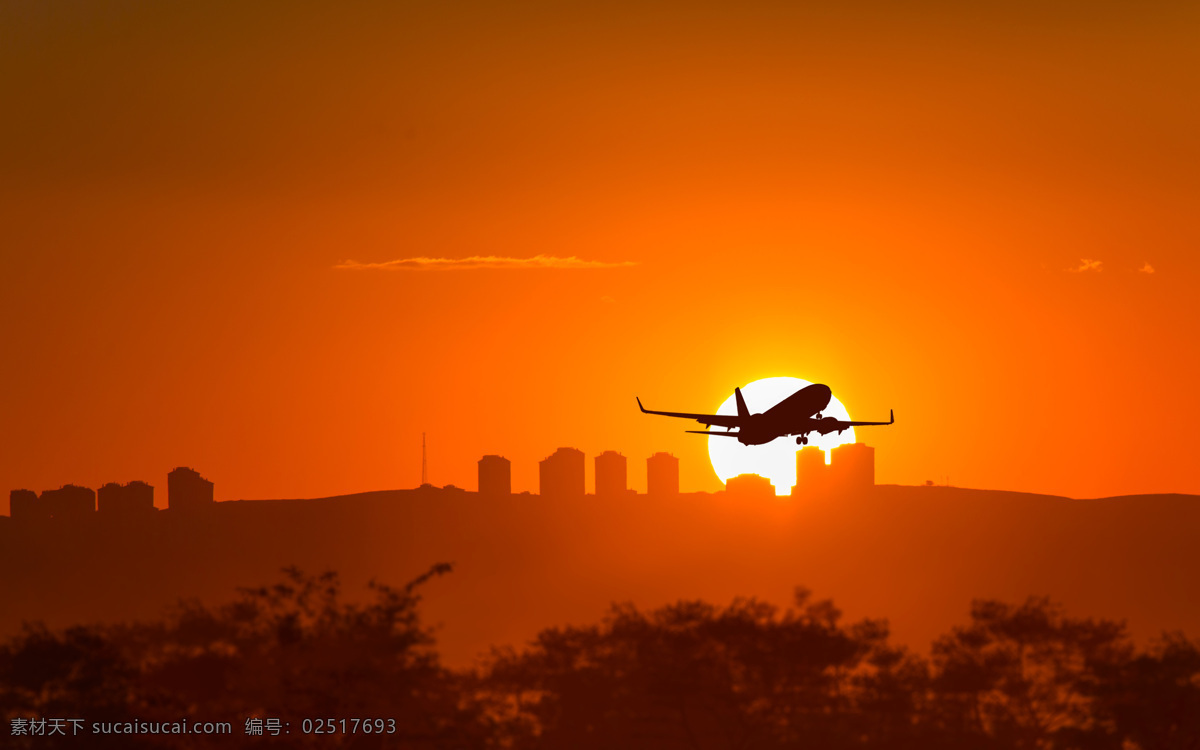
(799, 414)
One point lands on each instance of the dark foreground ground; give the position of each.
(916, 555)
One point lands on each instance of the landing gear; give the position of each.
(802, 440)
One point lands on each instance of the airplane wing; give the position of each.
(710, 432)
(891, 420)
(704, 419)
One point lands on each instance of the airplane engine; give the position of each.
(827, 425)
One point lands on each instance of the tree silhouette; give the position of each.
(689, 676)
(293, 650)
(692, 675)
(1153, 700)
(1025, 677)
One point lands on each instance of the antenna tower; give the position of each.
(424, 462)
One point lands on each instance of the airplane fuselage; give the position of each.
(795, 415)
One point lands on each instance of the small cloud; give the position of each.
(1146, 268)
(1086, 265)
(479, 261)
(607, 300)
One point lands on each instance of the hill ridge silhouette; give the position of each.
(916, 554)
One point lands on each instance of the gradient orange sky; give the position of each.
(893, 202)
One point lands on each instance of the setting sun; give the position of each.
(775, 460)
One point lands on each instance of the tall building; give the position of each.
(68, 501)
(495, 476)
(750, 486)
(561, 474)
(187, 489)
(23, 505)
(140, 496)
(110, 499)
(611, 474)
(131, 499)
(852, 466)
(662, 475)
(812, 475)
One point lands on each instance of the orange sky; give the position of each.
(888, 202)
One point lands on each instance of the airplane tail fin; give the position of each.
(741, 403)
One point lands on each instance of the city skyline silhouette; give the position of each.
(563, 475)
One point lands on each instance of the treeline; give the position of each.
(688, 676)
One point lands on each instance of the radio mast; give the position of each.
(424, 463)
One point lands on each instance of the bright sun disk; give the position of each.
(775, 460)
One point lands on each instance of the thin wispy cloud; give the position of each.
(1146, 268)
(474, 262)
(1087, 265)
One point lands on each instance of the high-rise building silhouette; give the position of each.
(131, 499)
(852, 466)
(611, 474)
(140, 496)
(68, 501)
(23, 505)
(186, 489)
(662, 475)
(110, 499)
(561, 474)
(812, 475)
(495, 476)
(750, 486)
